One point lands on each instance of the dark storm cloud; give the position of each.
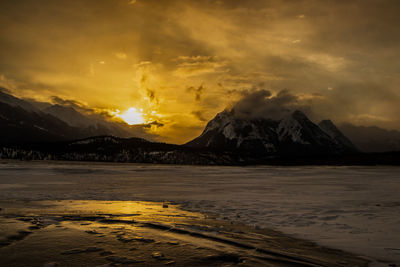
(151, 94)
(197, 91)
(199, 115)
(262, 104)
(71, 103)
(154, 123)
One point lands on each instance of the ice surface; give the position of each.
(352, 208)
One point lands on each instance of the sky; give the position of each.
(180, 62)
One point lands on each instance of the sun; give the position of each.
(132, 116)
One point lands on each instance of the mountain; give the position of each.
(329, 128)
(371, 138)
(33, 133)
(230, 138)
(294, 134)
(21, 126)
(23, 121)
(89, 125)
(15, 102)
(68, 115)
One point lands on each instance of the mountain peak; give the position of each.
(294, 134)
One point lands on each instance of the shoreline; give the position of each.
(154, 230)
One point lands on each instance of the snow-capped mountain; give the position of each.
(293, 134)
(227, 132)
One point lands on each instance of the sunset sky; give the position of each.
(181, 62)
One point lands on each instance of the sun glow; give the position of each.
(132, 116)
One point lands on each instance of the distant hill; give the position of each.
(372, 138)
(22, 126)
(329, 128)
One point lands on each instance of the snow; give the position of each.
(220, 120)
(40, 128)
(92, 140)
(229, 131)
(289, 127)
(352, 208)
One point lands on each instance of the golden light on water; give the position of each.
(132, 116)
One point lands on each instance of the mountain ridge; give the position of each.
(372, 139)
(19, 117)
(29, 132)
(293, 134)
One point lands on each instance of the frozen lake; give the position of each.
(352, 208)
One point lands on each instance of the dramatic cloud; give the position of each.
(262, 104)
(153, 124)
(151, 94)
(336, 57)
(199, 65)
(197, 92)
(71, 103)
(199, 115)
